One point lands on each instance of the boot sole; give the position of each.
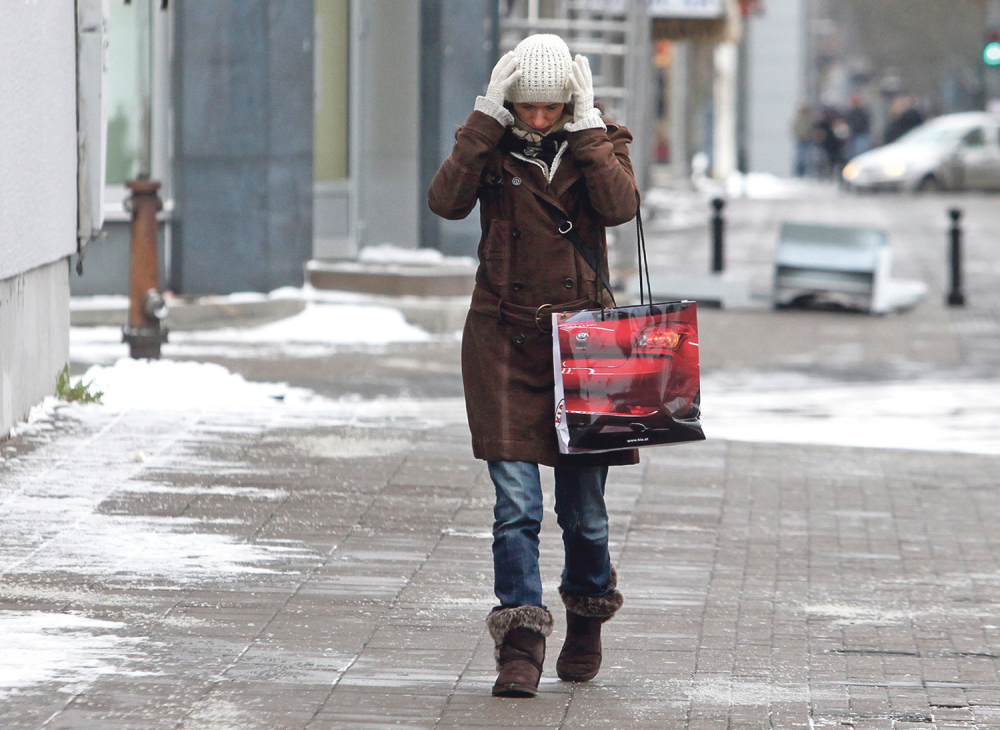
(577, 678)
(514, 690)
(567, 675)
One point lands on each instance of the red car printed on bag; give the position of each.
(629, 377)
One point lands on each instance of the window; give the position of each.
(123, 95)
(975, 138)
(332, 90)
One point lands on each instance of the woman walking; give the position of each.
(535, 146)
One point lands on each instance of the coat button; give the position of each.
(520, 340)
(517, 286)
(516, 234)
(516, 181)
(568, 283)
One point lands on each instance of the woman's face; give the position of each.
(538, 115)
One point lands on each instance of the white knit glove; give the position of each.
(505, 74)
(581, 83)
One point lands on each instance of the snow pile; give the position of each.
(313, 332)
(170, 385)
(38, 647)
(193, 387)
(39, 419)
(320, 323)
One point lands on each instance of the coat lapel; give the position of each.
(533, 178)
(567, 174)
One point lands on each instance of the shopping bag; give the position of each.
(626, 377)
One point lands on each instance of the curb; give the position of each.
(437, 315)
(198, 315)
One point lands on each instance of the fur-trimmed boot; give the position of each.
(580, 658)
(519, 637)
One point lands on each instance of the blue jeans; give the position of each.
(581, 514)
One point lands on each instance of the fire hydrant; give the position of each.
(147, 308)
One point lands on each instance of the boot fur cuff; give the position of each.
(602, 607)
(535, 618)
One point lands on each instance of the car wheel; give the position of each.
(930, 184)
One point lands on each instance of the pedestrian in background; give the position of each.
(805, 142)
(904, 116)
(535, 140)
(832, 134)
(858, 119)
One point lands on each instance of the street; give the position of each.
(302, 539)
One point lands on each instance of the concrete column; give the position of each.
(639, 80)
(386, 122)
(458, 48)
(680, 79)
(777, 54)
(724, 138)
(244, 145)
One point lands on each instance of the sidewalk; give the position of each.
(257, 556)
(287, 566)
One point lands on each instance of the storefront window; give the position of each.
(123, 95)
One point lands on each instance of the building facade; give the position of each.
(776, 54)
(43, 166)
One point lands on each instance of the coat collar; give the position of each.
(567, 174)
(533, 178)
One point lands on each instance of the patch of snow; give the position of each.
(925, 414)
(126, 547)
(352, 447)
(39, 419)
(171, 385)
(320, 323)
(193, 387)
(765, 186)
(387, 253)
(38, 647)
(761, 186)
(736, 692)
(99, 301)
(673, 210)
(313, 332)
(848, 615)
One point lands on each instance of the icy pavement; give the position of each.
(150, 493)
(920, 414)
(926, 413)
(224, 547)
(300, 562)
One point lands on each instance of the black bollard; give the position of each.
(718, 236)
(955, 297)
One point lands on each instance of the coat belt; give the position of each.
(488, 303)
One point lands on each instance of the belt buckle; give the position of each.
(538, 314)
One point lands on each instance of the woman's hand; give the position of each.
(581, 83)
(505, 74)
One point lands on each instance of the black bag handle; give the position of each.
(640, 242)
(566, 228)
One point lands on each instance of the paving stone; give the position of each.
(767, 585)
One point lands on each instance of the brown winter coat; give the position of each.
(525, 263)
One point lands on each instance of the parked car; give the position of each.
(950, 152)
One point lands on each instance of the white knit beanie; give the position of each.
(544, 62)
